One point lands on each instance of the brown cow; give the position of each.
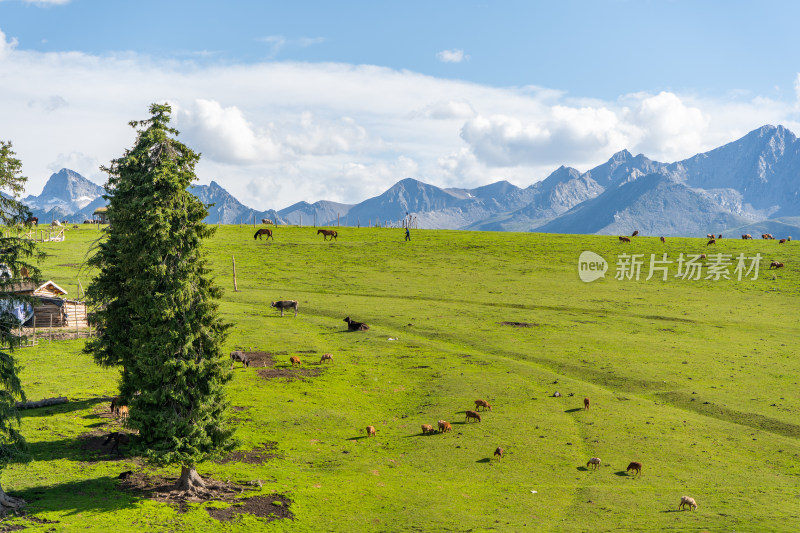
(586, 403)
(473, 415)
(326, 357)
(370, 431)
(444, 426)
(635, 233)
(776, 265)
(624, 239)
(498, 452)
(427, 429)
(482, 403)
(294, 360)
(636, 467)
(712, 241)
(122, 411)
(781, 241)
(746, 236)
(663, 240)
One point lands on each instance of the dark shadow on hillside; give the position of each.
(69, 407)
(622, 473)
(582, 469)
(753, 420)
(574, 410)
(484, 460)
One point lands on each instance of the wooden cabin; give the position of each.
(51, 308)
(101, 214)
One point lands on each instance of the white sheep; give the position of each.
(686, 500)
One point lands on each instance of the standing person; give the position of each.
(408, 234)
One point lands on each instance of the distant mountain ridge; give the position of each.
(750, 183)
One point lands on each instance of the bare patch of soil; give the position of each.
(272, 507)
(161, 489)
(253, 457)
(268, 370)
(519, 324)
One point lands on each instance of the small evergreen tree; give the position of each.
(155, 303)
(15, 258)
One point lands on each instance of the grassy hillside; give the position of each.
(696, 379)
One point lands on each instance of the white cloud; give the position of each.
(279, 42)
(279, 132)
(452, 56)
(6, 47)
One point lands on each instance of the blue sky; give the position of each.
(299, 100)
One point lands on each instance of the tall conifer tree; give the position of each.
(155, 303)
(15, 258)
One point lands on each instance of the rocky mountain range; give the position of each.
(751, 185)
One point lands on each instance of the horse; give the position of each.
(264, 231)
(327, 233)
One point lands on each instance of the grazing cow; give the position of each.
(266, 221)
(686, 500)
(595, 462)
(118, 438)
(427, 429)
(370, 431)
(285, 304)
(635, 233)
(295, 360)
(702, 256)
(712, 241)
(114, 404)
(709, 235)
(746, 237)
(776, 265)
(636, 467)
(720, 236)
(498, 452)
(263, 231)
(482, 403)
(352, 325)
(326, 357)
(789, 238)
(32, 221)
(23, 272)
(624, 239)
(327, 233)
(239, 357)
(781, 241)
(55, 224)
(444, 426)
(586, 403)
(663, 240)
(473, 415)
(122, 411)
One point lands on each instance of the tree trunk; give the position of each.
(9, 503)
(190, 480)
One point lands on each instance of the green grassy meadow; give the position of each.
(696, 379)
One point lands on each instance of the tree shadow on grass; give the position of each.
(87, 447)
(75, 497)
(69, 407)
